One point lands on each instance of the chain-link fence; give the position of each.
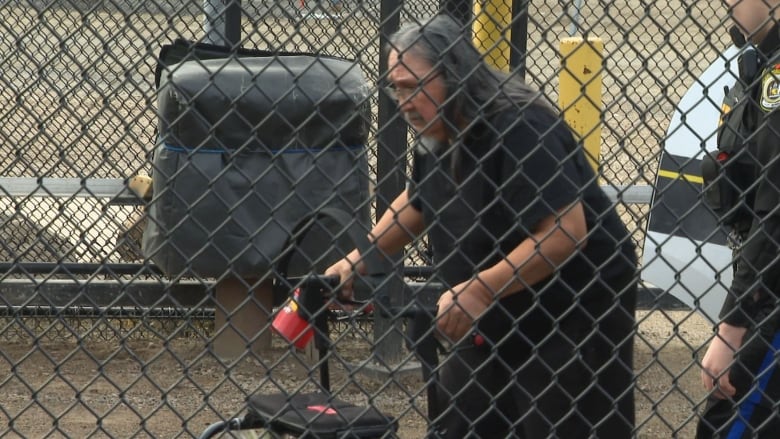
(138, 309)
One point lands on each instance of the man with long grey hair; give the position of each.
(535, 260)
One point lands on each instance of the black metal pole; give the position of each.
(233, 22)
(463, 11)
(519, 38)
(391, 160)
(460, 10)
(222, 24)
(392, 132)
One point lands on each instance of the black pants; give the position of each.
(753, 412)
(577, 383)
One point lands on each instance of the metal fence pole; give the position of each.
(492, 19)
(461, 10)
(222, 24)
(518, 47)
(391, 147)
(236, 318)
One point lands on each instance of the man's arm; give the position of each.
(758, 269)
(718, 358)
(398, 226)
(751, 289)
(555, 239)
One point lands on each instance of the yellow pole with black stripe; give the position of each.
(492, 19)
(580, 91)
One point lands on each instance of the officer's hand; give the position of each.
(346, 269)
(460, 307)
(718, 359)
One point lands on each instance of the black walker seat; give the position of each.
(317, 414)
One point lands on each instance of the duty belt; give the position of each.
(735, 239)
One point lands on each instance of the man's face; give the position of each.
(420, 92)
(750, 16)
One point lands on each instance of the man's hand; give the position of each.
(346, 269)
(718, 359)
(460, 307)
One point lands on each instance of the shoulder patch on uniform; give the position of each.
(770, 89)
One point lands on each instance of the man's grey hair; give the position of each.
(473, 88)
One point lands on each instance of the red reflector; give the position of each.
(722, 157)
(321, 409)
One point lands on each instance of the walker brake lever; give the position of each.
(328, 286)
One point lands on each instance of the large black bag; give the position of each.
(181, 50)
(247, 146)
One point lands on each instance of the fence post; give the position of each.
(222, 23)
(580, 91)
(519, 36)
(492, 20)
(242, 307)
(391, 151)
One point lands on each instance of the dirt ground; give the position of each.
(131, 379)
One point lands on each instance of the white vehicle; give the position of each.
(685, 252)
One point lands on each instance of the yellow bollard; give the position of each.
(580, 91)
(492, 31)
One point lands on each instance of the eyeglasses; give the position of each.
(404, 93)
(401, 94)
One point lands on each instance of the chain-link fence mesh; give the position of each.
(104, 339)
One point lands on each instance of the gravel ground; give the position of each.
(126, 379)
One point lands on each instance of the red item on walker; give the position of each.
(291, 325)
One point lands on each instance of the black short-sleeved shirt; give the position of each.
(756, 282)
(519, 167)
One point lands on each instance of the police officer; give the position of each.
(532, 254)
(743, 186)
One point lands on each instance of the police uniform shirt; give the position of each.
(757, 278)
(519, 167)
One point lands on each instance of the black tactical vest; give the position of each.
(730, 171)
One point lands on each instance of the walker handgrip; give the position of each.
(416, 311)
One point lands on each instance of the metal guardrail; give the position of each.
(139, 293)
(144, 294)
(116, 189)
(113, 188)
(629, 194)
